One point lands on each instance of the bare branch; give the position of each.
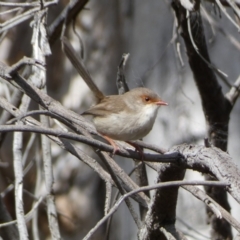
(217, 163)
(147, 188)
(213, 205)
(121, 80)
(31, 4)
(70, 12)
(234, 92)
(17, 151)
(18, 19)
(172, 157)
(218, 2)
(61, 142)
(106, 160)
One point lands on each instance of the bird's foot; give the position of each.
(112, 143)
(137, 148)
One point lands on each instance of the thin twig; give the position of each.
(116, 196)
(10, 11)
(105, 158)
(27, 217)
(234, 92)
(69, 12)
(121, 80)
(32, 4)
(234, 41)
(220, 73)
(18, 19)
(218, 2)
(213, 205)
(148, 188)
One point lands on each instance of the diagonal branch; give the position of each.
(67, 15)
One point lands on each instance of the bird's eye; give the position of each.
(147, 99)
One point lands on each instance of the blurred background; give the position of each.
(147, 30)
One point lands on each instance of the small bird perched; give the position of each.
(126, 117)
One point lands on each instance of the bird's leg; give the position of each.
(137, 148)
(112, 143)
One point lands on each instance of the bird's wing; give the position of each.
(110, 104)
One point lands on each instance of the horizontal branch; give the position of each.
(128, 153)
(32, 4)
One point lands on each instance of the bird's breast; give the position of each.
(127, 126)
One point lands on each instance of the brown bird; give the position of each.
(126, 117)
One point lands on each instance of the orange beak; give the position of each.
(160, 102)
